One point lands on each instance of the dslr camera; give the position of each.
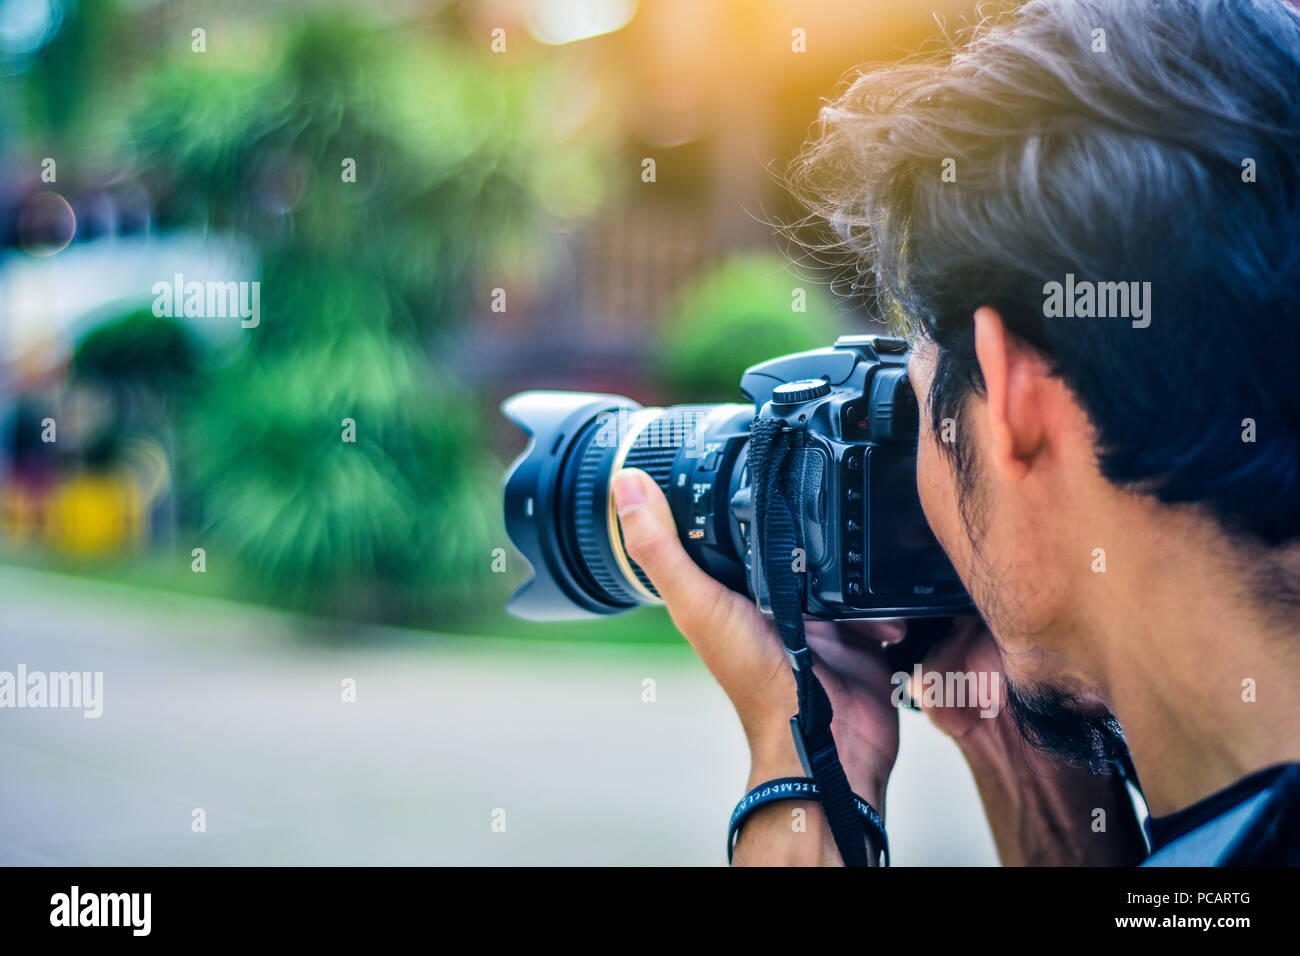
(867, 552)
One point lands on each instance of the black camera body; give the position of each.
(867, 551)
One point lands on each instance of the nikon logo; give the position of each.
(75, 908)
(1101, 300)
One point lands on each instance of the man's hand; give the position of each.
(744, 653)
(1042, 811)
(967, 647)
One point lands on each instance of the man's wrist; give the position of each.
(795, 832)
(773, 755)
(787, 833)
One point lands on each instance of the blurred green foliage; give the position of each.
(362, 283)
(447, 145)
(734, 316)
(387, 527)
(140, 351)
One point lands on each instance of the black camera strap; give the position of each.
(775, 460)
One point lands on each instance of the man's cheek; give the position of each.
(925, 473)
(935, 487)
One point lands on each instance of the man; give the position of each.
(1087, 220)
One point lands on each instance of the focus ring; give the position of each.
(656, 448)
(590, 533)
(658, 464)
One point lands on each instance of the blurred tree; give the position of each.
(70, 77)
(139, 351)
(386, 525)
(373, 168)
(742, 312)
(151, 370)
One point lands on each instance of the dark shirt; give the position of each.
(1253, 822)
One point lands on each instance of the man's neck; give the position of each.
(1201, 678)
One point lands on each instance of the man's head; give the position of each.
(1088, 221)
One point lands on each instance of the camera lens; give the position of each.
(558, 508)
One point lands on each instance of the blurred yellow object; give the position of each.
(94, 514)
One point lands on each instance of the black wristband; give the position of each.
(803, 788)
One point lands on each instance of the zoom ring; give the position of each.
(655, 450)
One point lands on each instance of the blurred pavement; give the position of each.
(238, 711)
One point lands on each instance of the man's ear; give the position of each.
(1013, 390)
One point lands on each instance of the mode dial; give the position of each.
(804, 390)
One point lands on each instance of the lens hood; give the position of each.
(553, 420)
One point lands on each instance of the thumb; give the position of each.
(650, 537)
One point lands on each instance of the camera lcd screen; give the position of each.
(903, 557)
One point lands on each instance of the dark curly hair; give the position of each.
(1114, 140)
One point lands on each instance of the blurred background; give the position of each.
(438, 204)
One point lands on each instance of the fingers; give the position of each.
(725, 628)
(703, 609)
(880, 632)
(861, 663)
(965, 647)
(966, 653)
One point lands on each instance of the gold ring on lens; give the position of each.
(636, 424)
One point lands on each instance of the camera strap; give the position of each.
(776, 462)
